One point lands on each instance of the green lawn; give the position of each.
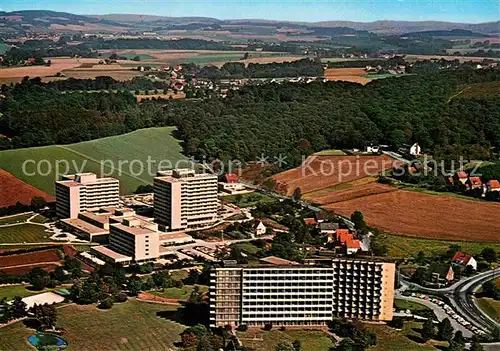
(330, 153)
(156, 143)
(29, 233)
(247, 247)
(40, 219)
(20, 290)
(408, 247)
(409, 305)
(267, 340)
(179, 293)
(207, 58)
(249, 200)
(15, 290)
(490, 307)
(389, 339)
(180, 274)
(16, 219)
(129, 326)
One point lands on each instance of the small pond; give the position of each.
(45, 339)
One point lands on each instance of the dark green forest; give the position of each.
(287, 119)
(237, 70)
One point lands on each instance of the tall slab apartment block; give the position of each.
(85, 192)
(301, 295)
(184, 199)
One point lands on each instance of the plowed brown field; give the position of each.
(320, 172)
(355, 75)
(13, 190)
(349, 192)
(21, 264)
(422, 215)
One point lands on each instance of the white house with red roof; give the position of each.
(464, 259)
(232, 185)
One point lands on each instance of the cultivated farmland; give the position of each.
(321, 172)
(428, 216)
(20, 264)
(355, 75)
(128, 153)
(13, 190)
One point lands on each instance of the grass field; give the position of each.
(248, 200)
(112, 153)
(179, 293)
(19, 290)
(410, 247)
(179, 274)
(389, 339)
(409, 305)
(247, 247)
(267, 340)
(129, 326)
(29, 233)
(15, 290)
(15, 219)
(331, 152)
(490, 307)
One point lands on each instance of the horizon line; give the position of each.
(252, 19)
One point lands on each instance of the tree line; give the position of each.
(288, 119)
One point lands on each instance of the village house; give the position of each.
(440, 274)
(346, 239)
(474, 183)
(310, 221)
(463, 259)
(461, 177)
(493, 185)
(329, 229)
(232, 185)
(258, 228)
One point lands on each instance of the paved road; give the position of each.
(461, 296)
(440, 313)
(466, 304)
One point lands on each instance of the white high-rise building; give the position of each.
(85, 192)
(301, 295)
(184, 199)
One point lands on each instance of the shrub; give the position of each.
(268, 326)
(120, 297)
(106, 304)
(282, 328)
(242, 327)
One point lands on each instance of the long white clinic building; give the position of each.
(85, 192)
(184, 199)
(301, 295)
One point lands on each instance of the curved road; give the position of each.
(461, 296)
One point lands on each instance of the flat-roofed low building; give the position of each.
(110, 256)
(94, 226)
(84, 191)
(169, 239)
(136, 238)
(301, 295)
(86, 230)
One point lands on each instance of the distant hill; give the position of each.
(446, 33)
(42, 20)
(400, 27)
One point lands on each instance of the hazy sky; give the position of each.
(471, 11)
